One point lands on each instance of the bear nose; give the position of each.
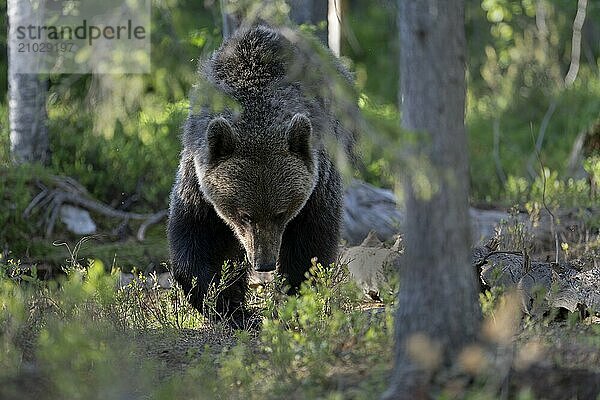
(265, 267)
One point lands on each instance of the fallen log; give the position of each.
(367, 208)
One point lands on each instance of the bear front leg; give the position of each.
(315, 232)
(200, 242)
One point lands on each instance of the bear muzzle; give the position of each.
(264, 258)
(265, 267)
(262, 246)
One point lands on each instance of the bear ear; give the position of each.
(299, 133)
(220, 138)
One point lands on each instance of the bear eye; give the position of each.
(245, 218)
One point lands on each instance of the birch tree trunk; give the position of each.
(26, 97)
(438, 313)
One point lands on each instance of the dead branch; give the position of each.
(153, 219)
(69, 191)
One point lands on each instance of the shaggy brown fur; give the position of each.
(257, 186)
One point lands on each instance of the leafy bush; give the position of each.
(81, 337)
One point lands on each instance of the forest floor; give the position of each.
(560, 360)
(75, 336)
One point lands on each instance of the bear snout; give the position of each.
(263, 251)
(265, 267)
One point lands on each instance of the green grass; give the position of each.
(79, 337)
(519, 126)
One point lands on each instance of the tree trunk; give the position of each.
(438, 312)
(26, 97)
(231, 19)
(334, 26)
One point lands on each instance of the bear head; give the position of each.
(257, 183)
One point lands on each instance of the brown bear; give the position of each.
(256, 187)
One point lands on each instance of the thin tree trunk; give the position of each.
(231, 19)
(26, 97)
(334, 26)
(438, 312)
(576, 43)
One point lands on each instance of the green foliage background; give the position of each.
(77, 337)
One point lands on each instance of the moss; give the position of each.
(18, 185)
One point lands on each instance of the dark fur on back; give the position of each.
(260, 161)
(250, 63)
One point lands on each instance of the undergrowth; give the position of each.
(83, 335)
(87, 334)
